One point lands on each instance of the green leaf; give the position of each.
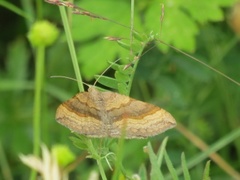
(121, 77)
(142, 172)
(115, 66)
(180, 24)
(80, 142)
(175, 28)
(92, 59)
(107, 81)
(170, 166)
(123, 89)
(17, 60)
(160, 153)
(203, 11)
(96, 50)
(124, 70)
(155, 171)
(185, 168)
(206, 173)
(124, 45)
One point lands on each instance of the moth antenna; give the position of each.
(105, 71)
(65, 77)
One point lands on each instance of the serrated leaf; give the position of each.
(185, 168)
(175, 28)
(177, 24)
(203, 11)
(107, 9)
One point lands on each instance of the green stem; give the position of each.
(95, 155)
(16, 10)
(132, 24)
(39, 9)
(39, 71)
(27, 7)
(6, 172)
(118, 164)
(134, 69)
(71, 48)
(91, 148)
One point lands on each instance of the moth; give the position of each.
(109, 114)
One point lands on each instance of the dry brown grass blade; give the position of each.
(198, 142)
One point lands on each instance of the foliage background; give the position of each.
(204, 102)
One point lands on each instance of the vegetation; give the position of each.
(151, 65)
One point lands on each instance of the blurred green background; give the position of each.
(203, 102)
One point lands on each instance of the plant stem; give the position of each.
(80, 84)
(16, 10)
(39, 71)
(95, 155)
(6, 172)
(71, 48)
(39, 9)
(132, 25)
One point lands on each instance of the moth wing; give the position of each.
(79, 115)
(136, 119)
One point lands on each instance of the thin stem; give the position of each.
(80, 84)
(27, 7)
(16, 10)
(95, 155)
(132, 25)
(71, 48)
(39, 71)
(134, 69)
(6, 171)
(118, 164)
(203, 63)
(39, 9)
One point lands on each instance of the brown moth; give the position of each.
(108, 114)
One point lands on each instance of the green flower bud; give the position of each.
(63, 155)
(43, 33)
